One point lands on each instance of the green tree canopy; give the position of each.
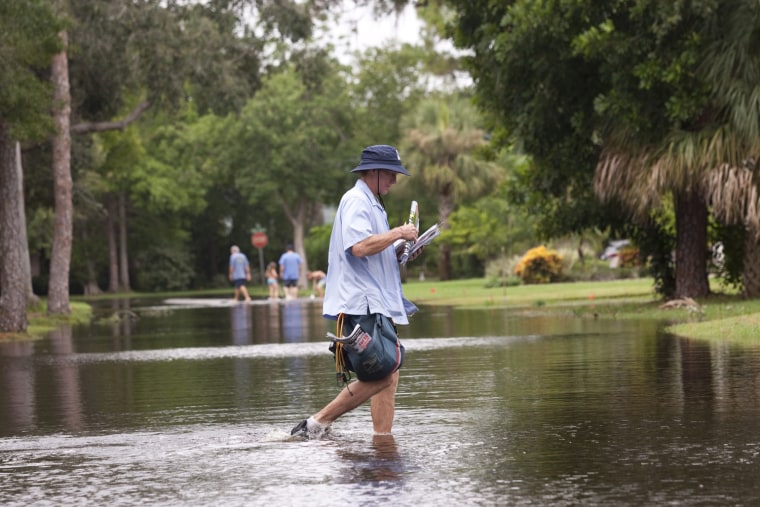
(292, 145)
(28, 38)
(625, 80)
(441, 141)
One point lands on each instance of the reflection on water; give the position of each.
(17, 386)
(381, 462)
(178, 404)
(66, 380)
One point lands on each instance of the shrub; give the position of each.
(539, 265)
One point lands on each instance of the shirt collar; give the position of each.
(362, 185)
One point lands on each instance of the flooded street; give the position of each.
(183, 403)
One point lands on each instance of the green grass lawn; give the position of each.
(474, 293)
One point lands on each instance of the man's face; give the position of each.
(386, 179)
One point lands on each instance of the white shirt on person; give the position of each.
(362, 285)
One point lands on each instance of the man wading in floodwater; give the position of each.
(364, 295)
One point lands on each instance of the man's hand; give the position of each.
(408, 232)
(376, 243)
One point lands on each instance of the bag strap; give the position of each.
(342, 373)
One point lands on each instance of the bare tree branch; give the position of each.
(89, 127)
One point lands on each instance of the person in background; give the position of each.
(290, 272)
(272, 283)
(317, 283)
(239, 272)
(364, 289)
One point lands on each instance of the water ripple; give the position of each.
(268, 350)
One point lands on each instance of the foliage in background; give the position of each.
(665, 91)
(442, 141)
(202, 171)
(655, 238)
(493, 226)
(317, 245)
(729, 269)
(537, 98)
(164, 269)
(388, 84)
(28, 38)
(290, 145)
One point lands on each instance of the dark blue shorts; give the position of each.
(239, 282)
(290, 282)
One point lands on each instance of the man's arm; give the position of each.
(376, 243)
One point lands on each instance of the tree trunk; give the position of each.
(445, 208)
(751, 264)
(691, 244)
(123, 257)
(113, 253)
(60, 258)
(298, 221)
(31, 298)
(13, 289)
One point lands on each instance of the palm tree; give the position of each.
(734, 69)
(711, 164)
(440, 138)
(640, 175)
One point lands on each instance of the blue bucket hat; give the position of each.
(380, 156)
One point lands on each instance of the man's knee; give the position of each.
(391, 380)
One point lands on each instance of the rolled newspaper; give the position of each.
(414, 219)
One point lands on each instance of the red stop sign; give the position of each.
(259, 239)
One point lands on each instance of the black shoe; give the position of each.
(300, 430)
(316, 431)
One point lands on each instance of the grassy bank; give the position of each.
(40, 323)
(718, 317)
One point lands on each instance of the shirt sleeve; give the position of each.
(356, 223)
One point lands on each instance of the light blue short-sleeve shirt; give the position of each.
(362, 285)
(291, 265)
(239, 262)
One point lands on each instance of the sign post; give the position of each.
(259, 240)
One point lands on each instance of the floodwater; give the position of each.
(183, 403)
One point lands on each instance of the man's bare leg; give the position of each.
(383, 407)
(354, 395)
